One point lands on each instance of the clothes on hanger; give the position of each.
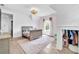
(75, 37)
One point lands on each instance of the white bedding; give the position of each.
(37, 45)
(26, 34)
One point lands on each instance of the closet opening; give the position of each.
(70, 39)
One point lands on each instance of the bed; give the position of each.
(26, 31)
(30, 33)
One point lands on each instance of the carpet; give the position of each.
(35, 46)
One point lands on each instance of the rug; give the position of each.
(35, 46)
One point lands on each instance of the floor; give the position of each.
(4, 46)
(51, 49)
(15, 48)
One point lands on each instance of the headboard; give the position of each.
(26, 28)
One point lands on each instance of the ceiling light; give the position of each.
(34, 11)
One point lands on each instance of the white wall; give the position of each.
(5, 23)
(19, 20)
(59, 41)
(68, 21)
(37, 22)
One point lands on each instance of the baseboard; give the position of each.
(49, 35)
(17, 37)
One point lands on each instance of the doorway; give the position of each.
(48, 26)
(70, 40)
(7, 24)
(6, 31)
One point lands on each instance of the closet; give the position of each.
(70, 37)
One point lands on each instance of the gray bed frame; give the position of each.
(33, 33)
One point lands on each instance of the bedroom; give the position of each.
(40, 22)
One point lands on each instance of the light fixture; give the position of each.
(34, 11)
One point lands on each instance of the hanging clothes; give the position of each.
(71, 36)
(75, 37)
(65, 38)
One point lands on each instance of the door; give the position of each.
(0, 20)
(6, 32)
(12, 29)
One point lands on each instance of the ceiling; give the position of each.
(63, 11)
(43, 9)
(66, 10)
